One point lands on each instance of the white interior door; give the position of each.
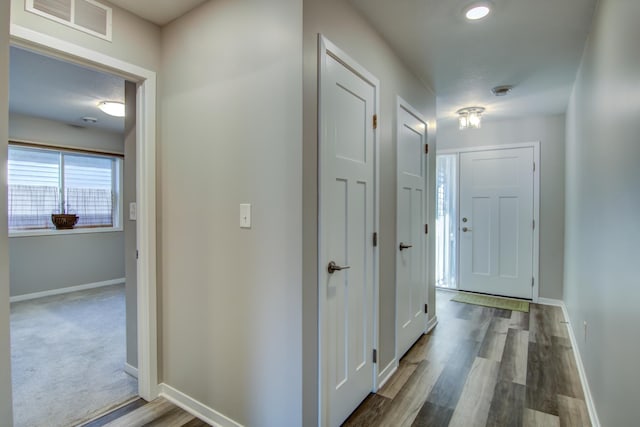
(411, 248)
(347, 218)
(496, 221)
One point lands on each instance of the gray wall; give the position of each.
(550, 131)
(231, 133)
(35, 129)
(345, 27)
(44, 263)
(602, 285)
(130, 242)
(5, 354)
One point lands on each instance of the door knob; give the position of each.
(332, 267)
(403, 246)
(465, 229)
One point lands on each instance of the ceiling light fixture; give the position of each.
(470, 117)
(89, 119)
(112, 108)
(477, 11)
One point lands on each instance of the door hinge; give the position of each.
(426, 308)
(534, 166)
(532, 281)
(426, 229)
(375, 121)
(426, 148)
(375, 239)
(136, 254)
(375, 356)
(534, 224)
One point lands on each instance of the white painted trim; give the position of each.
(432, 324)
(67, 290)
(535, 293)
(551, 301)
(131, 370)
(196, 408)
(145, 186)
(588, 397)
(327, 49)
(387, 373)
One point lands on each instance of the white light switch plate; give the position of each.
(133, 211)
(245, 215)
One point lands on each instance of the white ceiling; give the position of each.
(48, 88)
(159, 12)
(535, 45)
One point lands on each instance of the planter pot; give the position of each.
(64, 221)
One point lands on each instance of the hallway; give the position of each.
(483, 367)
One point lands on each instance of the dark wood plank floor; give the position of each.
(483, 367)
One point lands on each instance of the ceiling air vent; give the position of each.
(84, 15)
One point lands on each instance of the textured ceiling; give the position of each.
(535, 45)
(52, 89)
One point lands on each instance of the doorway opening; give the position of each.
(144, 87)
(73, 318)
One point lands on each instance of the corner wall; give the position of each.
(550, 131)
(5, 355)
(231, 126)
(344, 26)
(602, 284)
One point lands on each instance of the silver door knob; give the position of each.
(465, 229)
(403, 246)
(333, 267)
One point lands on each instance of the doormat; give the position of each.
(495, 302)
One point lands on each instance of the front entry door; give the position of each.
(347, 260)
(411, 246)
(496, 222)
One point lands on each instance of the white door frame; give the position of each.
(145, 185)
(327, 48)
(401, 104)
(536, 201)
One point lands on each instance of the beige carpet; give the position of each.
(68, 356)
(491, 301)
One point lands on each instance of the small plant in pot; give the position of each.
(65, 220)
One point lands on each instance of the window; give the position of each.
(446, 222)
(45, 181)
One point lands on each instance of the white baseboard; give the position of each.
(66, 290)
(131, 370)
(195, 408)
(387, 373)
(588, 397)
(432, 324)
(551, 301)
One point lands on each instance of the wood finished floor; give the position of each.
(139, 413)
(483, 367)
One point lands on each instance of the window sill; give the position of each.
(54, 232)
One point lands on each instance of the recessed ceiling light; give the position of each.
(112, 108)
(477, 11)
(89, 119)
(502, 90)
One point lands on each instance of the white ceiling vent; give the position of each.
(84, 15)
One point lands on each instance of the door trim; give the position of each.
(535, 294)
(145, 187)
(327, 49)
(401, 104)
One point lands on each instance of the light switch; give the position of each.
(133, 211)
(245, 215)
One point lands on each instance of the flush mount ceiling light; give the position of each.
(112, 108)
(470, 117)
(477, 11)
(89, 119)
